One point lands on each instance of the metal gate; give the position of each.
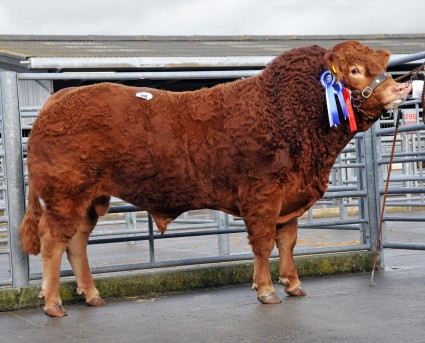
(406, 184)
(352, 198)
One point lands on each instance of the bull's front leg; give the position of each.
(261, 236)
(286, 239)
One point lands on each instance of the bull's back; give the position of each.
(104, 124)
(103, 134)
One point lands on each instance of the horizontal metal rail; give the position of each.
(206, 260)
(121, 232)
(402, 129)
(341, 188)
(356, 194)
(408, 246)
(164, 236)
(348, 165)
(409, 153)
(5, 282)
(402, 160)
(405, 203)
(29, 109)
(407, 178)
(341, 225)
(404, 190)
(124, 209)
(405, 59)
(189, 221)
(157, 75)
(403, 219)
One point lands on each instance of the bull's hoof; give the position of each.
(296, 292)
(269, 298)
(55, 311)
(96, 301)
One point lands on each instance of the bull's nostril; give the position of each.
(401, 88)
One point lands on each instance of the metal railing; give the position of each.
(355, 185)
(407, 181)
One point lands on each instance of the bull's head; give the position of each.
(360, 67)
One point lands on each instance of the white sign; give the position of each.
(410, 117)
(144, 95)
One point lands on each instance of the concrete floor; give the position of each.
(336, 309)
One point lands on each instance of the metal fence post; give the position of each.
(131, 224)
(223, 240)
(14, 175)
(372, 146)
(361, 186)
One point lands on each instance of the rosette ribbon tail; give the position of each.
(328, 80)
(351, 118)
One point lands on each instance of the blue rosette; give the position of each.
(338, 87)
(328, 80)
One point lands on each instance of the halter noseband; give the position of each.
(367, 92)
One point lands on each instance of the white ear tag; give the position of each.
(144, 95)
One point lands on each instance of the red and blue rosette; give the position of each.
(332, 88)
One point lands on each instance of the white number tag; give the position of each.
(144, 95)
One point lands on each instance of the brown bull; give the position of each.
(260, 148)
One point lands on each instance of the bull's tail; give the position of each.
(28, 231)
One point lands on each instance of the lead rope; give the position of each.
(415, 72)
(414, 75)
(381, 220)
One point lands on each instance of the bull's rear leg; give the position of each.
(286, 238)
(77, 256)
(262, 240)
(53, 245)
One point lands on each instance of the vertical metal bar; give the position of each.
(379, 180)
(131, 224)
(343, 215)
(362, 185)
(372, 146)
(334, 178)
(14, 174)
(420, 164)
(310, 215)
(151, 240)
(223, 240)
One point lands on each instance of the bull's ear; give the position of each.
(383, 56)
(377, 62)
(333, 64)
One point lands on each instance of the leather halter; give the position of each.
(367, 92)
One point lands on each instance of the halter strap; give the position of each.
(367, 92)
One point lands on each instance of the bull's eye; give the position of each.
(354, 71)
